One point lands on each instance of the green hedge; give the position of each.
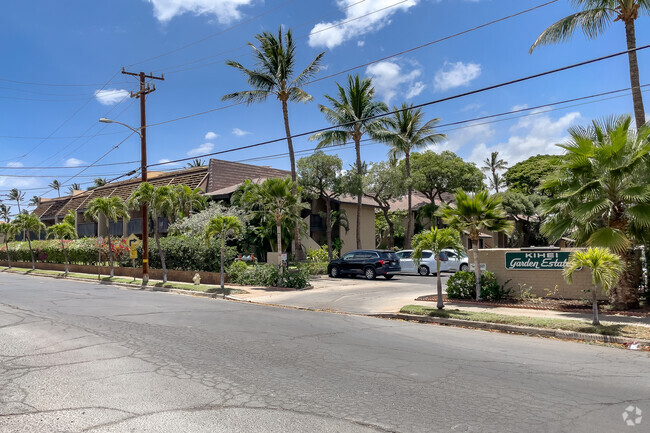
(462, 285)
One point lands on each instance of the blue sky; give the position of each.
(63, 60)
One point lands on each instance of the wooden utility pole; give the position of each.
(145, 89)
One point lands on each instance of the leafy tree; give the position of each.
(382, 230)
(275, 201)
(196, 162)
(161, 202)
(189, 199)
(593, 19)
(5, 212)
(384, 183)
(434, 174)
(475, 213)
(606, 269)
(222, 227)
(524, 208)
(603, 195)
(436, 240)
(56, 185)
(113, 208)
(526, 176)
(8, 231)
(320, 177)
(354, 114)
(62, 231)
(494, 165)
(16, 195)
(274, 75)
(406, 132)
(29, 224)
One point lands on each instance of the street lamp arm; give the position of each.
(105, 120)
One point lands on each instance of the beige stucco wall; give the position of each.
(539, 280)
(367, 228)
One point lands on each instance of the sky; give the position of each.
(63, 63)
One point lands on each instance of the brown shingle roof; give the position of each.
(418, 200)
(224, 174)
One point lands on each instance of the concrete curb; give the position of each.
(525, 330)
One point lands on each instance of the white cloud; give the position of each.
(225, 11)
(111, 96)
(471, 107)
(15, 164)
(200, 150)
(167, 162)
(388, 78)
(372, 15)
(361, 43)
(239, 132)
(457, 74)
(211, 135)
(472, 135)
(73, 162)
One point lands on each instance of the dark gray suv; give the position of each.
(368, 263)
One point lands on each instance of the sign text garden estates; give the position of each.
(542, 261)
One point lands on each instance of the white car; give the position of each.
(450, 261)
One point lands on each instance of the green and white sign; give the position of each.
(540, 261)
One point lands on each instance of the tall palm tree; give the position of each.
(273, 75)
(494, 165)
(56, 185)
(16, 195)
(162, 203)
(405, 132)
(606, 269)
(593, 20)
(602, 195)
(8, 232)
(74, 187)
(189, 199)
(275, 198)
(5, 212)
(196, 162)
(113, 208)
(62, 231)
(222, 227)
(29, 224)
(475, 213)
(354, 113)
(34, 201)
(436, 240)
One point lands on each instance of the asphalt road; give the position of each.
(89, 357)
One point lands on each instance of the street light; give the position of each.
(145, 211)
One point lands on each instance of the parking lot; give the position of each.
(354, 295)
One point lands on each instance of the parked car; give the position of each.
(450, 261)
(368, 263)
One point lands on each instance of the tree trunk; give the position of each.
(357, 147)
(328, 226)
(297, 247)
(594, 306)
(160, 250)
(410, 229)
(626, 295)
(391, 228)
(110, 251)
(223, 255)
(637, 98)
(440, 305)
(31, 252)
(8, 256)
(279, 240)
(477, 268)
(65, 257)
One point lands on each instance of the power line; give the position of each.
(65, 167)
(31, 83)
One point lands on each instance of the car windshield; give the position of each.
(426, 254)
(389, 256)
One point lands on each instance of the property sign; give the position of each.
(541, 261)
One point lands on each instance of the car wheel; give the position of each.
(388, 277)
(335, 272)
(464, 267)
(423, 270)
(370, 273)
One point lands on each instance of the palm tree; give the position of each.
(5, 212)
(436, 240)
(97, 183)
(602, 195)
(62, 231)
(56, 185)
(475, 213)
(29, 223)
(355, 114)
(405, 132)
(113, 208)
(222, 227)
(493, 165)
(34, 201)
(8, 232)
(275, 197)
(189, 199)
(162, 203)
(196, 162)
(17, 195)
(606, 269)
(74, 187)
(593, 19)
(274, 76)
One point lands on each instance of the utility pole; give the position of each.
(145, 89)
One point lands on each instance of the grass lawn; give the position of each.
(631, 331)
(137, 282)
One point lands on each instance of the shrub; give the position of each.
(236, 271)
(188, 253)
(319, 255)
(313, 268)
(462, 285)
(257, 275)
(294, 278)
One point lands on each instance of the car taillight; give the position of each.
(383, 262)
